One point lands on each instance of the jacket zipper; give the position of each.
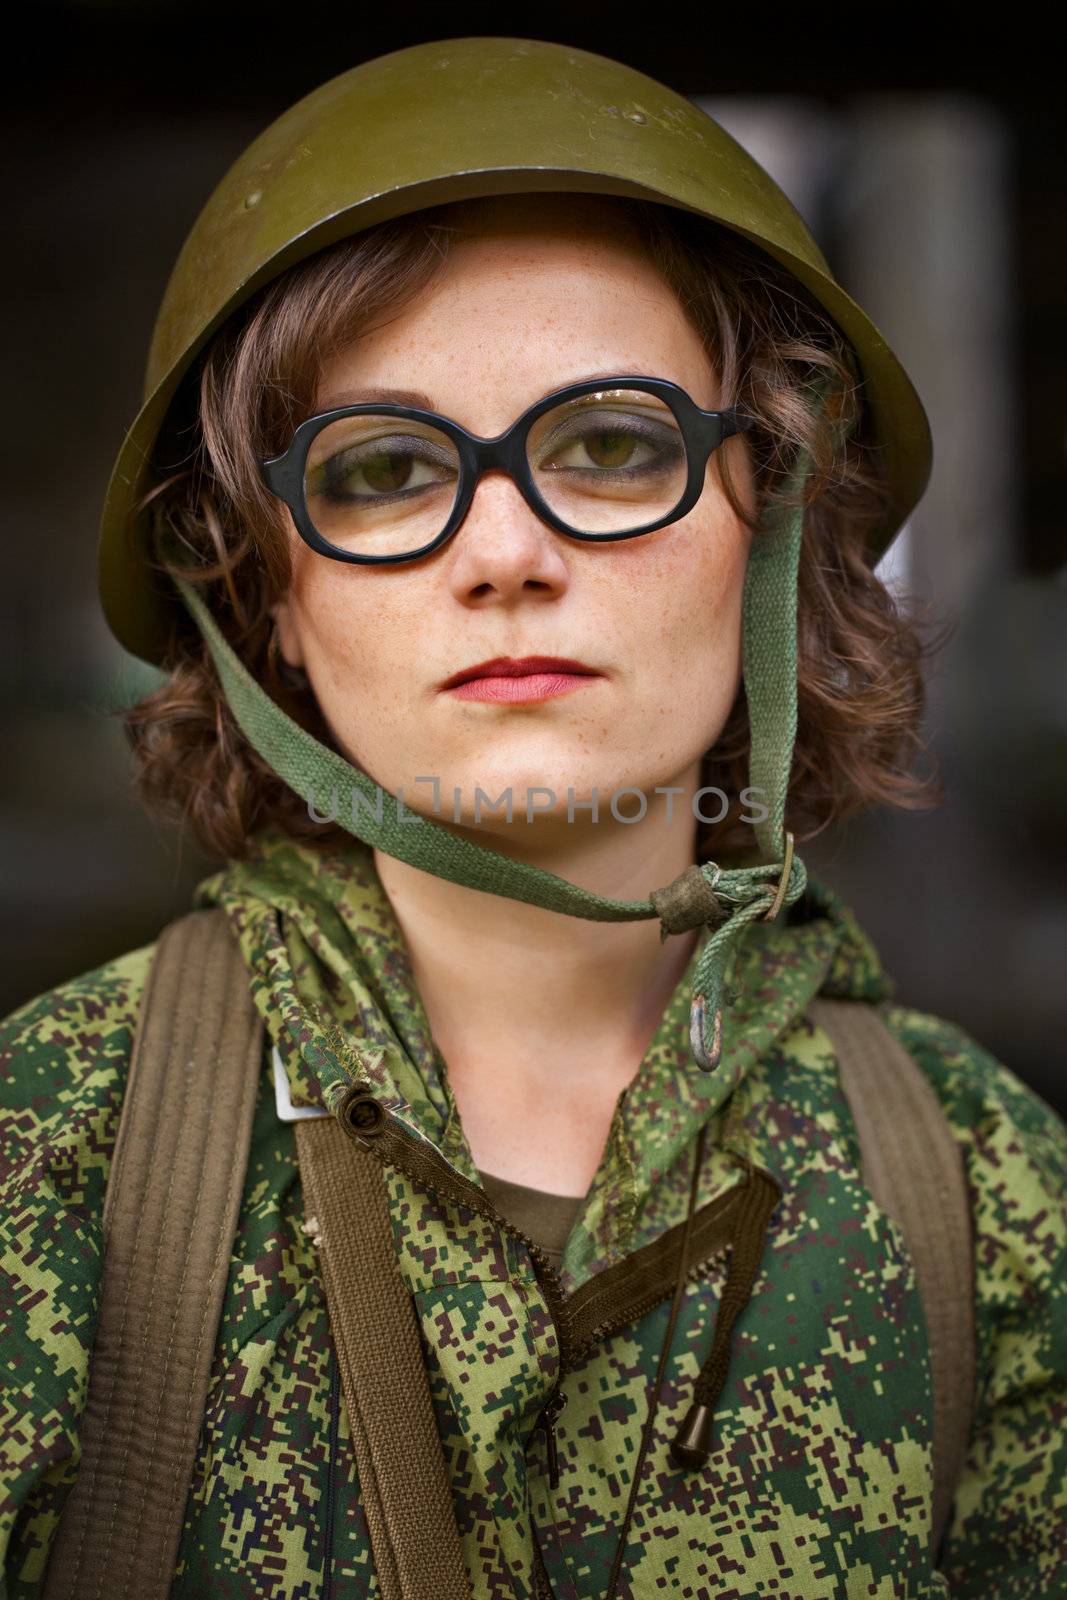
(477, 1200)
(456, 1187)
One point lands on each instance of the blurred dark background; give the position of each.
(929, 164)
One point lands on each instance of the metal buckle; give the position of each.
(783, 882)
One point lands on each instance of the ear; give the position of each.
(288, 633)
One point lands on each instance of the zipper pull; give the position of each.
(552, 1408)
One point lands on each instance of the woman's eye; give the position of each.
(611, 448)
(379, 470)
(634, 447)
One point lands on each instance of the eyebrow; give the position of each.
(363, 396)
(422, 402)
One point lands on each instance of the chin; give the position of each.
(545, 809)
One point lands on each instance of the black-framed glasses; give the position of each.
(605, 459)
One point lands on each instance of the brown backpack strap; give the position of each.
(403, 1477)
(914, 1169)
(173, 1198)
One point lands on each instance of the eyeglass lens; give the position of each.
(605, 463)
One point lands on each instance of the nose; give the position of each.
(503, 549)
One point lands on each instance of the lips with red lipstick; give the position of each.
(528, 678)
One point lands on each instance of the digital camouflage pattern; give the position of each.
(819, 1482)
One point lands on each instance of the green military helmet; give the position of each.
(449, 120)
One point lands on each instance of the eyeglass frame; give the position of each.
(702, 433)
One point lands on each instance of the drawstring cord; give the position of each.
(761, 1194)
(692, 1445)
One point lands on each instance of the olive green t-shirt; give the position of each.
(546, 1218)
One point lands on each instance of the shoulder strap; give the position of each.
(173, 1198)
(914, 1169)
(404, 1481)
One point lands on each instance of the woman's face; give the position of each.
(557, 289)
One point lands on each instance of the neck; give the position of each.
(547, 994)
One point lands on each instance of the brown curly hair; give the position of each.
(860, 649)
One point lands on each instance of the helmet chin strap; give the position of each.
(727, 899)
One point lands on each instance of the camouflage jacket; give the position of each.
(819, 1481)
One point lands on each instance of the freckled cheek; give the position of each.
(682, 602)
(360, 652)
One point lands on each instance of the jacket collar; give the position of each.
(333, 982)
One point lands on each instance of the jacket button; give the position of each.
(361, 1111)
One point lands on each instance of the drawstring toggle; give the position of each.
(693, 1445)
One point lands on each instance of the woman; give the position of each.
(571, 677)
